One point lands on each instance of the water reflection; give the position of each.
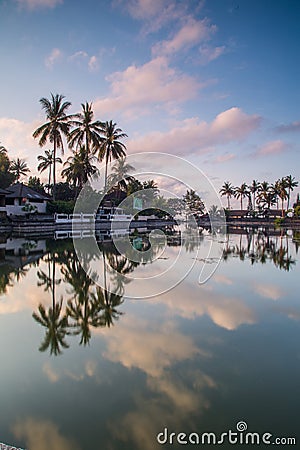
(84, 306)
(261, 247)
(193, 359)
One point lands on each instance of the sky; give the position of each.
(215, 82)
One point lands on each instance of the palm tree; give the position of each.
(266, 196)
(111, 147)
(19, 168)
(253, 189)
(87, 131)
(281, 186)
(3, 150)
(58, 124)
(228, 191)
(119, 175)
(241, 192)
(291, 183)
(79, 168)
(46, 162)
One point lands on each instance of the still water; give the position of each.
(106, 351)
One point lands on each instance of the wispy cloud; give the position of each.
(271, 148)
(93, 63)
(208, 54)
(55, 55)
(195, 136)
(223, 158)
(191, 33)
(153, 13)
(290, 127)
(269, 291)
(37, 4)
(77, 56)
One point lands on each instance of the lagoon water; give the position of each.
(83, 367)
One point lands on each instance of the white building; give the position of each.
(20, 195)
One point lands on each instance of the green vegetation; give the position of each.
(262, 196)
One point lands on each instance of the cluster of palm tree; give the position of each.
(262, 194)
(90, 140)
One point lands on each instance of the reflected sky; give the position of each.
(81, 365)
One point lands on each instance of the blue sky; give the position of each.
(215, 82)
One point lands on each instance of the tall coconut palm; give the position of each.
(111, 146)
(241, 192)
(253, 189)
(46, 162)
(87, 131)
(120, 174)
(228, 191)
(281, 186)
(58, 125)
(79, 168)
(19, 168)
(291, 183)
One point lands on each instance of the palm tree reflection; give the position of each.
(261, 248)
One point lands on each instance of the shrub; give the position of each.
(297, 211)
(60, 207)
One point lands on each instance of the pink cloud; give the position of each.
(208, 54)
(138, 87)
(272, 148)
(224, 158)
(154, 13)
(290, 127)
(195, 136)
(35, 4)
(192, 32)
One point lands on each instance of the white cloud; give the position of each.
(154, 83)
(93, 63)
(192, 32)
(195, 136)
(36, 4)
(55, 55)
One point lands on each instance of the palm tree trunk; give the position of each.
(288, 200)
(228, 202)
(54, 178)
(106, 164)
(282, 210)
